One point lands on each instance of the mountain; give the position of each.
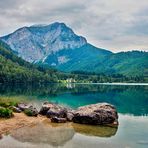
(83, 58)
(37, 42)
(131, 63)
(15, 69)
(48, 44)
(58, 46)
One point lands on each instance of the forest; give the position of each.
(14, 69)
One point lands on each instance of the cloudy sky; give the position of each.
(117, 25)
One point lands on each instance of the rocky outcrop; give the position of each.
(96, 114)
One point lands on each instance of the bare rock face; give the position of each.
(96, 114)
(37, 42)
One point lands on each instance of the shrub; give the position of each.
(5, 112)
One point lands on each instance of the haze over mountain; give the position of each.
(58, 46)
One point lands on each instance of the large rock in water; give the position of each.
(96, 114)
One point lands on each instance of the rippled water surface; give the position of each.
(131, 102)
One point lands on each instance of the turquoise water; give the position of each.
(130, 101)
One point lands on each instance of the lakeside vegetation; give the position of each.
(7, 104)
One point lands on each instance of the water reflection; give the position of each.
(59, 134)
(99, 131)
(44, 133)
(131, 101)
(128, 99)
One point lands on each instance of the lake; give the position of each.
(131, 102)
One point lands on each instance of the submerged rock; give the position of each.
(96, 114)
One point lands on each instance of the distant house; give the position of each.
(70, 80)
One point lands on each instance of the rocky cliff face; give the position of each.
(35, 43)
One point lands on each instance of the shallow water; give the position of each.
(130, 101)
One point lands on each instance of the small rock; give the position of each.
(56, 112)
(58, 120)
(23, 106)
(53, 110)
(31, 111)
(70, 115)
(15, 109)
(45, 107)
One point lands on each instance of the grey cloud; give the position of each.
(117, 25)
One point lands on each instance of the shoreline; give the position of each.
(95, 114)
(20, 121)
(17, 121)
(140, 84)
(106, 83)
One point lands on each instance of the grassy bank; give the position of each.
(6, 104)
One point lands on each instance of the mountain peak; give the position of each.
(37, 41)
(55, 24)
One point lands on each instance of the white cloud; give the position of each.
(113, 24)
